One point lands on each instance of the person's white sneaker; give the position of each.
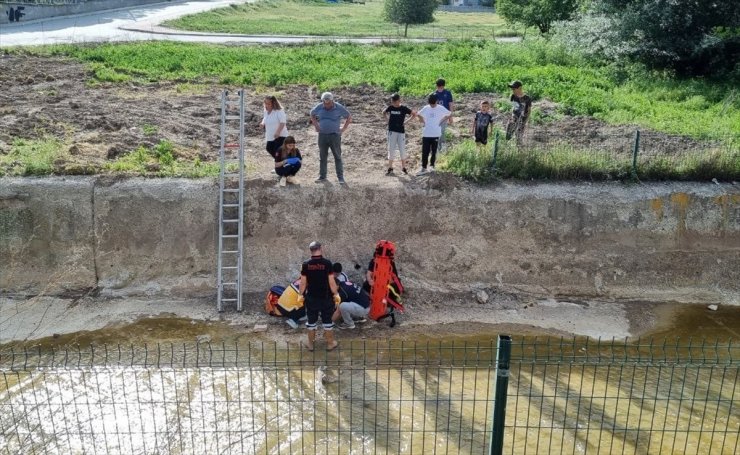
(422, 171)
(431, 168)
(283, 181)
(291, 323)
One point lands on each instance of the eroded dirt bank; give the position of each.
(138, 237)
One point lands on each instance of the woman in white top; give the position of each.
(274, 122)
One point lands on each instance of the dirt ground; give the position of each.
(42, 97)
(88, 320)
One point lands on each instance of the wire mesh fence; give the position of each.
(542, 154)
(564, 396)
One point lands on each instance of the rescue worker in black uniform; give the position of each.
(317, 287)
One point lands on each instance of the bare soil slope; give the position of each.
(42, 97)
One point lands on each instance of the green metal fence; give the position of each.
(598, 156)
(556, 396)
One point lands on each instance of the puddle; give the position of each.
(151, 330)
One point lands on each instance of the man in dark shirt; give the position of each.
(318, 286)
(355, 304)
(521, 106)
(396, 115)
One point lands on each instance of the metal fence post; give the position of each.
(635, 151)
(503, 359)
(495, 151)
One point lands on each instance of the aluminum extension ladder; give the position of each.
(231, 201)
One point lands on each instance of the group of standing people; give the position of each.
(330, 119)
(326, 118)
(434, 117)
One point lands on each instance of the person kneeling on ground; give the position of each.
(338, 274)
(355, 302)
(287, 161)
(286, 302)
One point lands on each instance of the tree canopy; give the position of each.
(407, 12)
(691, 37)
(537, 13)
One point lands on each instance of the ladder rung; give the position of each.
(231, 221)
(229, 283)
(231, 205)
(230, 236)
(231, 146)
(230, 252)
(232, 175)
(230, 267)
(233, 117)
(228, 300)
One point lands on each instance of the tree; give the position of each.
(409, 12)
(537, 13)
(690, 37)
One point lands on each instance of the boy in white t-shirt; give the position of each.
(431, 117)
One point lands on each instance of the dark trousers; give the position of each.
(428, 145)
(331, 141)
(287, 171)
(273, 146)
(316, 307)
(295, 315)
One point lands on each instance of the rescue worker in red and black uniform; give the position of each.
(317, 287)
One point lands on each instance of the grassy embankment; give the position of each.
(698, 108)
(299, 17)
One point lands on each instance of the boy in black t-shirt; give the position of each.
(481, 122)
(396, 115)
(318, 285)
(521, 105)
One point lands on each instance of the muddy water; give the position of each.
(655, 321)
(428, 395)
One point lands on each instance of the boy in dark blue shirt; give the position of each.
(444, 98)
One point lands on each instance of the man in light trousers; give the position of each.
(326, 117)
(354, 306)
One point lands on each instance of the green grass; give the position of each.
(31, 157)
(319, 18)
(47, 156)
(149, 130)
(160, 161)
(568, 163)
(697, 107)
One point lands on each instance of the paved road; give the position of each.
(107, 25)
(139, 23)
